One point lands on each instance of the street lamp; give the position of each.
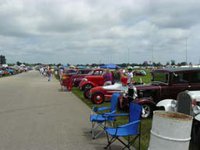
(186, 51)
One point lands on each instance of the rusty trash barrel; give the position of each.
(170, 131)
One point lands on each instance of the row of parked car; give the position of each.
(166, 84)
(5, 72)
(171, 89)
(83, 78)
(12, 70)
(87, 79)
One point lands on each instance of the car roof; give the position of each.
(177, 69)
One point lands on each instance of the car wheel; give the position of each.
(97, 98)
(147, 110)
(86, 93)
(87, 86)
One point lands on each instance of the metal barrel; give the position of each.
(170, 131)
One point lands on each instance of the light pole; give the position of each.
(128, 55)
(152, 55)
(186, 51)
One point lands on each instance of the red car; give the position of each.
(92, 80)
(70, 77)
(76, 79)
(66, 78)
(100, 94)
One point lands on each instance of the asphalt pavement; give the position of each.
(36, 115)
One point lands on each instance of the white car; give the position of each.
(187, 102)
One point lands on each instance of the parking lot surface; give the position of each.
(36, 115)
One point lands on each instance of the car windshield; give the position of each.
(91, 72)
(96, 72)
(70, 71)
(160, 77)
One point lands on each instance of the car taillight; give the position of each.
(194, 102)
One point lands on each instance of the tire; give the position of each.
(87, 86)
(147, 110)
(86, 93)
(98, 98)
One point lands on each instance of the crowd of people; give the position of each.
(46, 72)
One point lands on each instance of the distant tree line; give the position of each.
(122, 65)
(144, 64)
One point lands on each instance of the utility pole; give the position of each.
(152, 55)
(128, 55)
(186, 51)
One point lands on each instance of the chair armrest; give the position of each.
(109, 114)
(115, 115)
(129, 124)
(97, 109)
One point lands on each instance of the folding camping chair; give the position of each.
(127, 130)
(99, 119)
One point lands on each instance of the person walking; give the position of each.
(41, 71)
(61, 73)
(49, 74)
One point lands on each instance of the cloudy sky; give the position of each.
(100, 31)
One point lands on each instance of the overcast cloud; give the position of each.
(99, 31)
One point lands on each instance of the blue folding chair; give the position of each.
(100, 118)
(132, 129)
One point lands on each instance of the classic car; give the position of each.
(166, 84)
(71, 77)
(76, 78)
(66, 78)
(100, 94)
(11, 71)
(92, 80)
(187, 102)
